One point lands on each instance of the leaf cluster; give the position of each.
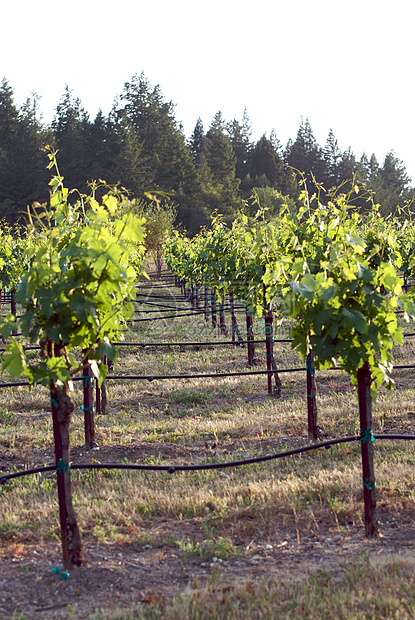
(334, 272)
(78, 291)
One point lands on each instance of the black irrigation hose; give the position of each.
(173, 344)
(192, 344)
(18, 383)
(196, 376)
(160, 310)
(171, 469)
(203, 376)
(175, 316)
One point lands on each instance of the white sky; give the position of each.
(345, 65)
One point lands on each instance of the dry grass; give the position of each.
(212, 514)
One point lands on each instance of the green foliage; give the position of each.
(342, 287)
(331, 270)
(159, 224)
(79, 288)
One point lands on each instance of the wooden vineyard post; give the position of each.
(206, 304)
(88, 406)
(222, 321)
(192, 296)
(101, 394)
(364, 377)
(62, 408)
(13, 309)
(250, 338)
(313, 430)
(233, 317)
(269, 342)
(235, 328)
(98, 408)
(213, 307)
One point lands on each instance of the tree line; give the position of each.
(142, 146)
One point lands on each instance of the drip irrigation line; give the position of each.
(139, 296)
(159, 309)
(171, 469)
(204, 376)
(26, 383)
(176, 316)
(191, 344)
(198, 376)
(159, 318)
(150, 299)
(172, 344)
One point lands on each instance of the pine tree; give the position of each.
(391, 184)
(197, 142)
(70, 127)
(277, 144)
(28, 158)
(9, 116)
(164, 155)
(22, 162)
(266, 163)
(305, 155)
(220, 156)
(365, 167)
(240, 138)
(332, 157)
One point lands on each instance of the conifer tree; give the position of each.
(391, 184)
(164, 156)
(70, 127)
(197, 143)
(220, 156)
(305, 155)
(8, 130)
(240, 138)
(332, 157)
(266, 163)
(22, 162)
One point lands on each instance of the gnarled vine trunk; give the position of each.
(364, 378)
(62, 408)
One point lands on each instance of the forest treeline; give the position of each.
(142, 146)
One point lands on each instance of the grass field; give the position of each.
(283, 538)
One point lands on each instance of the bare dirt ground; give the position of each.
(116, 576)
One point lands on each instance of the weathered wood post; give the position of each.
(250, 338)
(213, 307)
(234, 322)
(206, 304)
(222, 320)
(364, 378)
(313, 430)
(62, 408)
(13, 308)
(88, 406)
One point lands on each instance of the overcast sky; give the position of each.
(348, 66)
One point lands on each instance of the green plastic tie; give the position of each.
(87, 408)
(62, 466)
(58, 571)
(367, 435)
(369, 485)
(309, 368)
(55, 402)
